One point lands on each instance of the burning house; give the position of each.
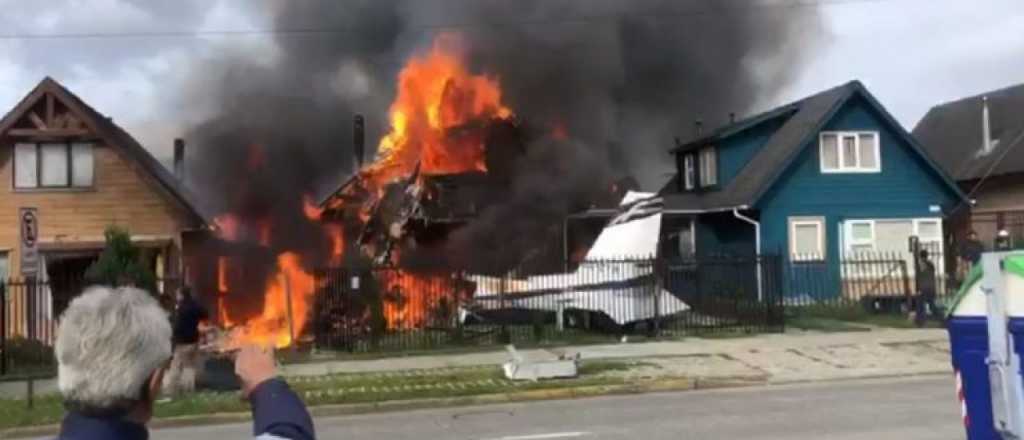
(492, 138)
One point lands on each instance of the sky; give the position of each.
(912, 54)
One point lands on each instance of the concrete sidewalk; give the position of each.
(770, 358)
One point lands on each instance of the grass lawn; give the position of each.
(343, 389)
(847, 318)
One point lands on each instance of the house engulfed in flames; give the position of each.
(447, 153)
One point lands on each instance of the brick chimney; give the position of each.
(179, 159)
(358, 142)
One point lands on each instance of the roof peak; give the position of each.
(758, 118)
(978, 96)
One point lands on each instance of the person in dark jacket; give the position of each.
(970, 253)
(189, 320)
(925, 289)
(112, 348)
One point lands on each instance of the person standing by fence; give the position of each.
(970, 253)
(925, 301)
(189, 322)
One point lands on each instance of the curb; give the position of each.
(678, 384)
(581, 392)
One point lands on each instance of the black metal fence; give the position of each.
(27, 328)
(877, 281)
(389, 309)
(29, 314)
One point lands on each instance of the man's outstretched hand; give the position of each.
(254, 365)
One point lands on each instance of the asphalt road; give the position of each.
(908, 409)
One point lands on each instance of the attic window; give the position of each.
(850, 152)
(53, 165)
(688, 171)
(708, 167)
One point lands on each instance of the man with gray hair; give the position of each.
(112, 349)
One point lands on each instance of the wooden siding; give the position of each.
(998, 193)
(723, 234)
(735, 152)
(123, 194)
(906, 186)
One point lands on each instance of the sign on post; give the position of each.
(29, 243)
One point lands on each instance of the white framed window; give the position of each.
(708, 167)
(850, 152)
(26, 166)
(54, 160)
(860, 236)
(687, 240)
(688, 171)
(53, 165)
(82, 164)
(807, 238)
(928, 230)
(891, 236)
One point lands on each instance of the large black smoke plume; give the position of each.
(624, 77)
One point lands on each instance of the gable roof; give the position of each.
(952, 134)
(803, 120)
(115, 137)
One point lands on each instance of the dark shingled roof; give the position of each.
(116, 137)
(804, 119)
(952, 134)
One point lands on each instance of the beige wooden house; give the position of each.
(82, 173)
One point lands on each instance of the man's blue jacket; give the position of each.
(276, 413)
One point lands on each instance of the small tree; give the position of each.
(120, 263)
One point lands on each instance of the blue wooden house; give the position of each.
(817, 180)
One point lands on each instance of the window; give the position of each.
(708, 167)
(860, 236)
(928, 230)
(81, 165)
(688, 171)
(893, 235)
(686, 243)
(53, 165)
(807, 238)
(850, 152)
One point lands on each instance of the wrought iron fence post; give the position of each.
(30, 392)
(3, 328)
(288, 304)
(659, 272)
(906, 283)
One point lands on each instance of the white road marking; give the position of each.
(544, 436)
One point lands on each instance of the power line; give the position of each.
(586, 19)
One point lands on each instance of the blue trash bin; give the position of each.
(969, 344)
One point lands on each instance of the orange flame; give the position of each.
(272, 327)
(415, 301)
(435, 122)
(336, 234)
(310, 209)
(436, 94)
(222, 290)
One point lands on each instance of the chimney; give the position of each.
(986, 130)
(732, 118)
(179, 159)
(358, 142)
(698, 126)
